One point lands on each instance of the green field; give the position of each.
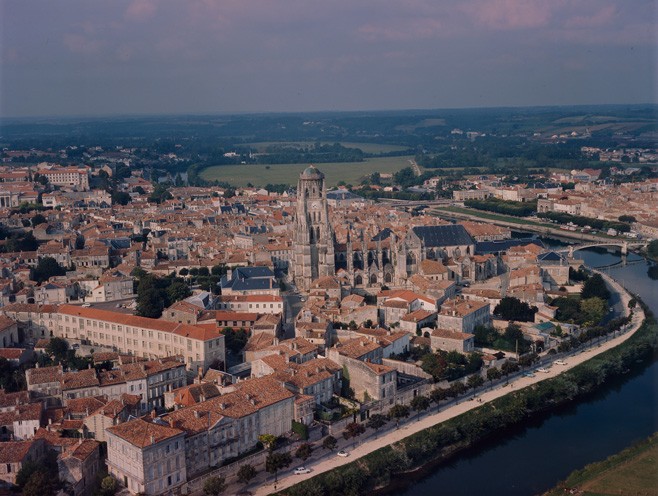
(261, 146)
(633, 471)
(260, 175)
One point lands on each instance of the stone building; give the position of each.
(313, 249)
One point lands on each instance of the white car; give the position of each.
(302, 470)
(560, 362)
(542, 369)
(342, 453)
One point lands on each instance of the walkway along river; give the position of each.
(531, 459)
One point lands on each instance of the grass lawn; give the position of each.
(631, 472)
(261, 146)
(260, 175)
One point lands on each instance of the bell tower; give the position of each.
(313, 246)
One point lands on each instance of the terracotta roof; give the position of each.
(186, 330)
(142, 433)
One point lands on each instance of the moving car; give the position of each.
(343, 453)
(302, 470)
(542, 369)
(529, 374)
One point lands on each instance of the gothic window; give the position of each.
(311, 235)
(457, 253)
(371, 258)
(468, 250)
(358, 280)
(373, 279)
(317, 233)
(388, 277)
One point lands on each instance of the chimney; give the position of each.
(197, 414)
(153, 413)
(152, 439)
(172, 422)
(202, 398)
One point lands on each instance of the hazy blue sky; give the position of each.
(193, 56)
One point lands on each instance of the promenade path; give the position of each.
(412, 426)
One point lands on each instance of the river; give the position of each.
(531, 459)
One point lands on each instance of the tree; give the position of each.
(509, 368)
(398, 412)
(652, 249)
(57, 348)
(275, 462)
(268, 441)
(420, 403)
(329, 442)
(246, 473)
(304, 451)
(120, 198)
(377, 421)
(38, 219)
(594, 309)
(595, 286)
(47, 268)
(108, 486)
(40, 483)
(353, 429)
(439, 394)
(178, 290)
(493, 374)
(475, 381)
(627, 218)
(235, 340)
(213, 486)
(511, 308)
(151, 302)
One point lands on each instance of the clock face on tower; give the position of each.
(315, 205)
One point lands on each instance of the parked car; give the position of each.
(343, 453)
(560, 362)
(544, 370)
(529, 374)
(302, 470)
(86, 305)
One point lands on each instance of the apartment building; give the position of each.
(147, 456)
(72, 177)
(463, 315)
(141, 336)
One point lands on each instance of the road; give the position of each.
(415, 167)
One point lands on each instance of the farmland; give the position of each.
(260, 175)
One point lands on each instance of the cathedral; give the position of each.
(386, 259)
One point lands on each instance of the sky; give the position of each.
(100, 57)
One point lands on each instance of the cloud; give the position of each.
(603, 17)
(140, 10)
(511, 14)
(77, 43)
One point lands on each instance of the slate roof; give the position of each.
(448, 235)
(486, 247)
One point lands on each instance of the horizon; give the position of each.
(575, 106)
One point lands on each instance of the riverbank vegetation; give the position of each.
(631, 471)
(591, 222)
(517, 209)
(378, 469)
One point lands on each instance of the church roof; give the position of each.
(447, 235)
(312, 172)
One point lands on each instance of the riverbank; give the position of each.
(520, 224)
(438, 437)
(630, 472)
